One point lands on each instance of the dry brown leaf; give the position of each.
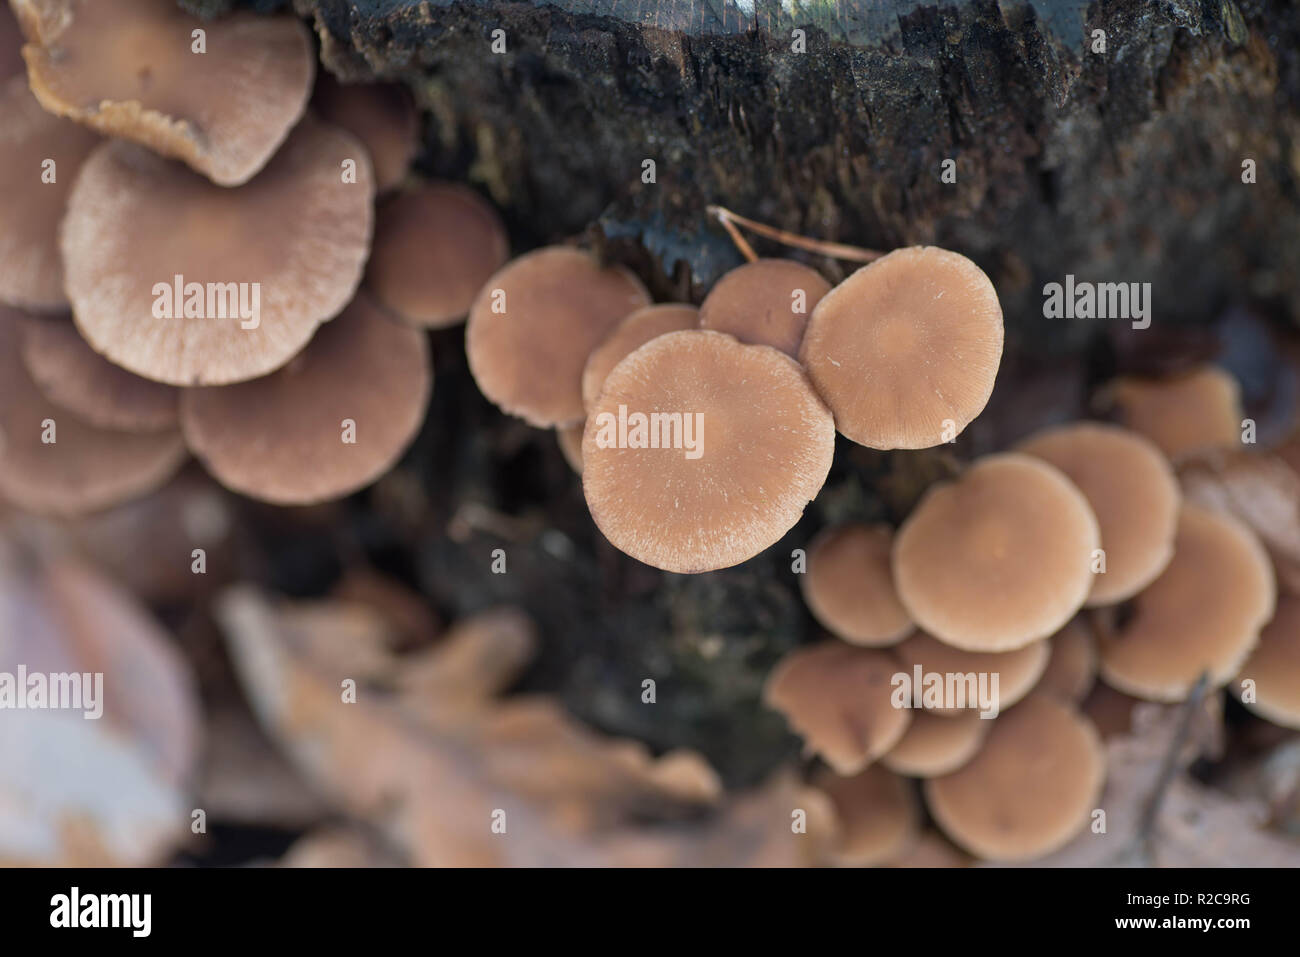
(78, 791)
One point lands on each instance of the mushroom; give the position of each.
(1030, 788)
(1133, 493)
(1202, 615)
(906, 349)
(936, 745)
(765, 303)
(534, 324)
(1017, 671)
(436, 244)
(1274, 667)
(1196, 412)
(999, 558)
(702, 451)
(1072, 666)
(878, 814)
(73, 376)
(849, 588)
(39, 158)
(631, 334)
(52, 462)
(187, 283)
(837, 698)
(133, 69)
(329, 423)
(381, 115)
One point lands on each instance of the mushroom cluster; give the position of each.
(192, 261)
(987, 645)
(705, 433)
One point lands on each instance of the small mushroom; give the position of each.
(999, 558)
(381, 115)
(702, 451)
(1018, 671)
(1030, 788)
(1072, 667)
(74, 376)
(631, 334)
(765, 303)
(39, 158)
(1274, 668)
(187, 283)
(133, 69)
(837, 698)
(1196, 412)
(51, 462)
(936, 745)
(878, 814)
(1202, 615)
(436, 244)
(534, 324)
(329, 423)
(849, 588)
(906, 349)
(1133, 493)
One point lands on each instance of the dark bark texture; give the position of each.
(1123, 165)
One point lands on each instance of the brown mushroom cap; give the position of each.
(74, 376)
(436, 244)
(381, 115)
(85, 469)
(1203, 614)
(1030, 788)
(631, 334)
(878, 814)
(1132, 491)
(849, 586)
(764, 443)
(1018, 671)
(765, 303)
(1192, 413)
(906, 349)
(31, 274)
(837, 698)
(999, 558)
(556, 305)
(1072, 667)
(136, 221)
(280, 439)
(935, 745)
(1274, 666)
(126, 68)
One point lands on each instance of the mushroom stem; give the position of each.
(728, 219)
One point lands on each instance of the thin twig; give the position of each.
(833, 250)
(741, 242)
(1170, 766)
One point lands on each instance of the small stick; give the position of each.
(833, 250)
(1170, 766)
(742, 244)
